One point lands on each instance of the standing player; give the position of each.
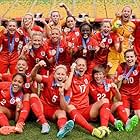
(109, 43)
(126, 30)
(129, 76)
(87, 46)
(79, 108)
(36, 51)
(57, 48)
(70, 34)
(9, 50)
(50, 97)
(101, 88)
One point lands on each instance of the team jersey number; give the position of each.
(82, 88)
(100, 96)
(2, 102)
(130, 80)
(54, 98)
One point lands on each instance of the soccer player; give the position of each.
(35, 51)
(86, 46)
(56, 47)
(127, 28)
(109, 44)
(129, 76)
(9, 51)
(101, 88)
(78, 108)
(50, 97)
(11, 98)
(70, 34)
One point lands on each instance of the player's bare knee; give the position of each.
(60, 113)
(70, 108)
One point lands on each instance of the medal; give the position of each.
(27, 85)
(42, 53)
(12, 100)
(61, 50)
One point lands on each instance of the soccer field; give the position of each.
(32, 132)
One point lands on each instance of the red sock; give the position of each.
(122, 113)
(79, 119)
(104, 114)
(61, 122)
(36, 108)
(111, 118)
(3, 120)
(24, 112)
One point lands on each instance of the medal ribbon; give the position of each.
(12, 94)
(57, 53)
(125, 76)
(84, 43)
(11, 45)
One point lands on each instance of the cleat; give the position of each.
(65, 129)
(131, 123)
(119, 125)
(106, 129)
(45, 128)
(98, 133)
(19, 127)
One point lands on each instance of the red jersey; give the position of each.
(50, 94)
(9, 43)
(103, 91)
(80, 91)
(35, 55)
(90, 44)
(71, 39)
(60, 56)
(131, 86)
(29, 86)
(109, 41)
(7, 97)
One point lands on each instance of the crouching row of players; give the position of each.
(64, 95)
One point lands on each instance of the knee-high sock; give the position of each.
(104, 114)
(80, 120)
(36, 108)
(24, 112)
(3, 120)
(122, 113)
(61, 122)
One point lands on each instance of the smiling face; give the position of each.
(85, 31)
(70, 21)
(37, 40)
(106, 28)
(11, 27)
(126, 13)
(98, 77)
(17, 83)
(130, 58)
(55, 35)
(21, 66)
(60, 75)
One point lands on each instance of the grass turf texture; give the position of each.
(32, 132)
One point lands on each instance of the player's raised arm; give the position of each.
(69, 80)
(34, 71)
